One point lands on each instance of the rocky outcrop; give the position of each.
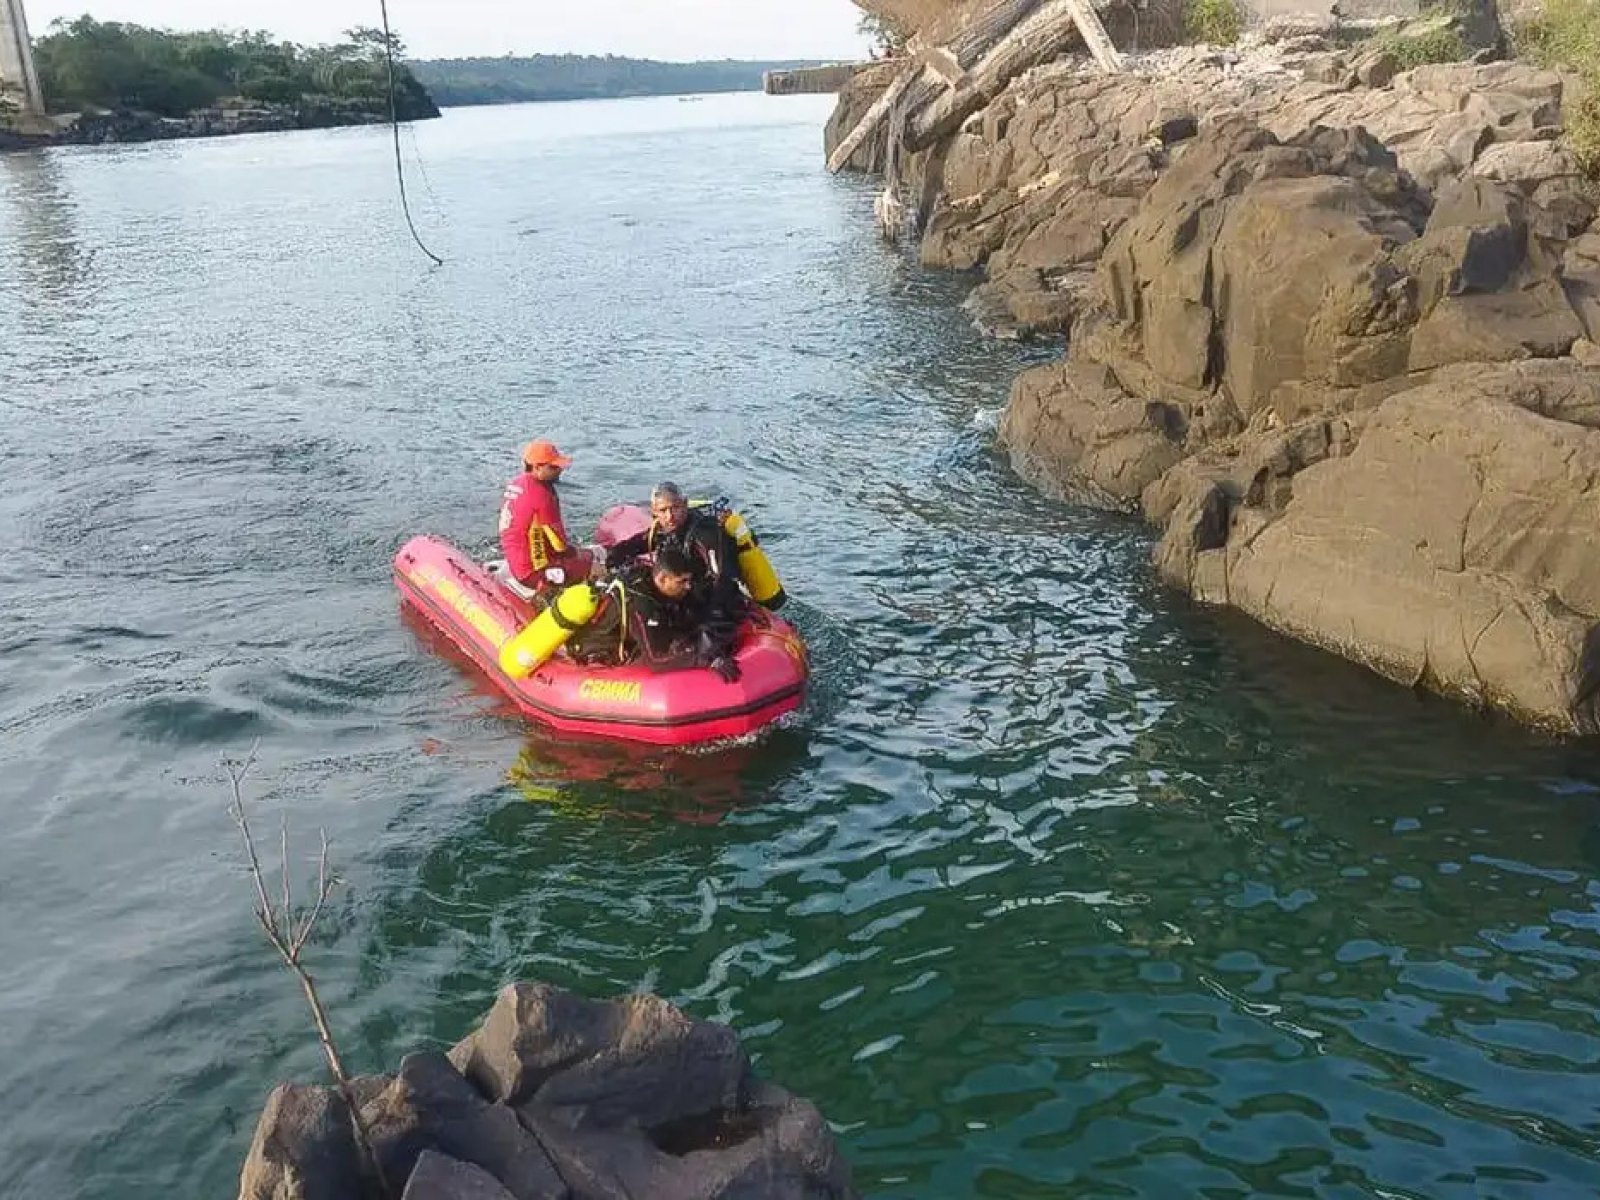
(855, 99)
(1077, 435)
(1333, 328)
(558, 1098)
(1456, 547)
(1358, 409)
(1033, 188)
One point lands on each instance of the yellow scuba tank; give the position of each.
(760, 580)
(570, 610)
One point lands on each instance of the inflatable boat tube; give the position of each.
(479, 614)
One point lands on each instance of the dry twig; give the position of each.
(289, 938)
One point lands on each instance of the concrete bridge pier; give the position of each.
(19, 81)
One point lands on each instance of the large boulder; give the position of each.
(1272, 271)
(440, 1177)
(556, 1097)
(777, 1147)
(1457, 548)
(1437, 119)
(1255, 264)
(1489, 275)
(430, 1106)
(304, 1148)
(1073, 432)
(1581, 276)
(634, 1062)
(1547, 173)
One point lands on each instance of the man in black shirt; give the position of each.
(716, 594)
(647, 614)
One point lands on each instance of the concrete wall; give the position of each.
(827, 79)
(17, 74)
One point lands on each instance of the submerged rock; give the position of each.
(556, 1097)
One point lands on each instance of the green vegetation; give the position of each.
(583, 77)
(1566, 37)
(88, 63)
(1438, 42)
(887, 35)
(1214, 22)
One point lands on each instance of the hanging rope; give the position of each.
(394, 125)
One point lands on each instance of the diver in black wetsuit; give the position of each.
(648, 614)
(715, 596)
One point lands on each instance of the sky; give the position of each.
(669, 29)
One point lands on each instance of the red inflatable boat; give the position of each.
(478, 613)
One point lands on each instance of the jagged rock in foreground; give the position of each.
(556, 1097)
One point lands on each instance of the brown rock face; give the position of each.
(1292, 373)
(1457, 548)
(1335, 327)
(439, 1177)
(1034, 187)
(634, 1061)
(303, 1149)
(1074, 433)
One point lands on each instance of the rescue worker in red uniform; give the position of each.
(539, 553)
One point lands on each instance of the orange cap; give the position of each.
(544, 454)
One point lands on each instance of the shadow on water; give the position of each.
(606, 781)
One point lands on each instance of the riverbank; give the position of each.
(117, 82)
(132, 125)
(466, 82)
(1332, 328)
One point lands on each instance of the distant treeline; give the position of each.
(88, 63)
(583, 77)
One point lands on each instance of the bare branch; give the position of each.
(288, 906)
(237, 770)
(288, 938)
(324, 889)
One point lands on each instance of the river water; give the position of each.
(1057, 887)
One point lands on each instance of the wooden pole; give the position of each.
(1030, 43)
(932, 68)
(873, 117)
(1095, 36)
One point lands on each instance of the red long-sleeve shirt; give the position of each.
(532, 535)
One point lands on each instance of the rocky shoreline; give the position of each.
(555, 1097)
(1332, 327)
(132, 126)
